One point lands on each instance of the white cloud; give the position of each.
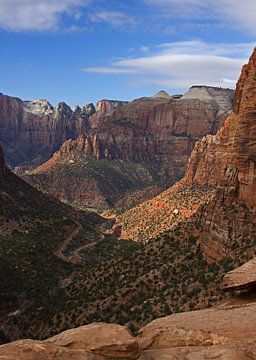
(113, 18)
(111, 70)
(27, 15)
(144, 49)
(183, 64)
(236, 13)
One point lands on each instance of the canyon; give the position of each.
(207, 228)
(143, 147)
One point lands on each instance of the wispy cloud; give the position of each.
(182, 64)
(113, 18)
(29, 15)
(232, 13)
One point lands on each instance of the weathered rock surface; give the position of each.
(103, 339)
(36, 350)
(159, 128)
(226, 333)
(223, 97)
(221, 333)
(241, 278)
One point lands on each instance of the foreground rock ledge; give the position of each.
(242, 278)
(226, 333)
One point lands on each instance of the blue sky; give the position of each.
(81, 51)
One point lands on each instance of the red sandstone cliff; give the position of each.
(150, 129)
(230, 159)
(32, 130)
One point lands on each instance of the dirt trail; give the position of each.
(74, 257)
(61, 248)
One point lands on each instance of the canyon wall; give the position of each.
(32, 130)
(158, 128)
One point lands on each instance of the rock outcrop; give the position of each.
(226, 333)
(242, 278)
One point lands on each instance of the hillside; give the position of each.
(32, 228)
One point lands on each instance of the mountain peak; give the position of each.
(245, 95)
(38, 107)
(161, 94)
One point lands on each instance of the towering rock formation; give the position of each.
(232, 152)
(228, 160)
(32, 130)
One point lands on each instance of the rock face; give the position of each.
(32, 130)
(241, 278)
(223, 97)
(154, 129)
(105, 106)
(234, 146)
(219, 333)
(2, 162)
(227, 161)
